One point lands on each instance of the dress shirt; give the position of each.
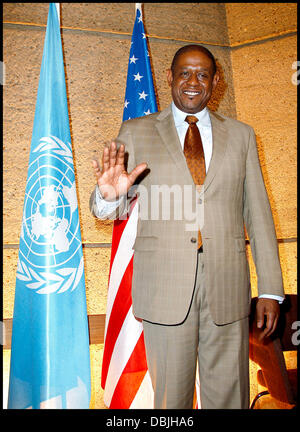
(104, 207)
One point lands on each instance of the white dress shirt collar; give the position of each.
(179, 116)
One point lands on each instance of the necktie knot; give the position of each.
(191, 119)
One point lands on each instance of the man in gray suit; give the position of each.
(194, 301)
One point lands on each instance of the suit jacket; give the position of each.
(165, 251)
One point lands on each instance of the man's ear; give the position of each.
(215, 79)
(169, 77)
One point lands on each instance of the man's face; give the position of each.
(192, 82)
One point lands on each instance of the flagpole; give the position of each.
(57, 5)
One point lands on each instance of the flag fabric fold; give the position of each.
(125, 377)
(50, 363)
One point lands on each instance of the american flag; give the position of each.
(125, 377)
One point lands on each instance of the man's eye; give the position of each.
(202, 75)
(185, 74)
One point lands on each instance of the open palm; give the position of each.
(113, 180)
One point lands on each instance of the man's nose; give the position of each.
(193, 79)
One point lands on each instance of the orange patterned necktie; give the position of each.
(193, 151)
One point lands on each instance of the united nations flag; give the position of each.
(50, 364)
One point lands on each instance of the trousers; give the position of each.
(221, 351)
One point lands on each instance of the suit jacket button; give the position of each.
(193, 240)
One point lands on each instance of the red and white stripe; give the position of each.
(125, 377)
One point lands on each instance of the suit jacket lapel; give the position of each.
(167, 131)
(219, 138)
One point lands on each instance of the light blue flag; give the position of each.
(140, 96)
(50, 363)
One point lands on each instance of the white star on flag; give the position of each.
(144, 36)
(143, 95)
(147, 112)
(126, 103)
(138, 77)
(133, 59)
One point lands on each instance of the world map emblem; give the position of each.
(50, 254)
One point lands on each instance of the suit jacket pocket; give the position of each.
(145, 243)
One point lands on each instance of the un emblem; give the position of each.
(50, 257)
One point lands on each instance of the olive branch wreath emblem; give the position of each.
(47, 282)
(56, 146)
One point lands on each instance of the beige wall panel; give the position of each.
(266, 99)
(22, 66)
(10, 259)
(248, 21)
(288, 262)
(96, 355)
(185, 21)
(96, 266)
(96, 90)
(96, 262)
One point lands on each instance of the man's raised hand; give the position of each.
(113, 180)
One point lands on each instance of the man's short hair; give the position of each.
(187, 48)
